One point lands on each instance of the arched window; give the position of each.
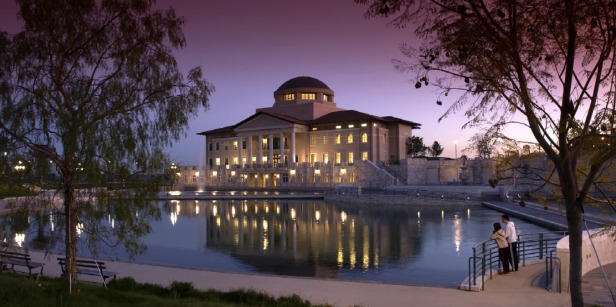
(364, 137)
(350, 138)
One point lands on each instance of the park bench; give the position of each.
(89, 267)
(14, 258)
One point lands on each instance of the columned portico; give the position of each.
(270, 148)
(239, 151)
(260, 150)
(281, 145)
(249, 149)
(293, 146)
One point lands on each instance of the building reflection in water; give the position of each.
(309, 238)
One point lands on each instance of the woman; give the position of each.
(498, 235)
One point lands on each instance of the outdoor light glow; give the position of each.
(317, 171)
(342, 171)
(215, 210)
(292, 172)
(174, 193)
(233, 211)
(317, 215)
(214, 173)
(343, 216)
(232, 173)
(293, 214)
(20, 238)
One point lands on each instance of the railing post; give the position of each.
(540, 246)
(483, 267)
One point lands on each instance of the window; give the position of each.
(285, 177)
(337, 158)
(325, 158)
(288, 97)
(217, 146)
(326, 97)
(364, 155)
(234, 145)
(364, 125)
(235, 161)
(226, 161)
(350, 158)
(364, 137)
(384, 138)
(350, 138)
(254, 160)
(211, 163)
(217, 161)
(313, 158)
(211, 147)
(309, 96)
(226, 145)
(243, 161)
(243, 144)
(313, 140)
(351, 126)
(194, 179)
(337, 138)
(325, 140)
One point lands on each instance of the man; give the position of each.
(512, 239)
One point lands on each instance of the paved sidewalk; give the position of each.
(523, 288)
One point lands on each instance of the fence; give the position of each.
(530, 246)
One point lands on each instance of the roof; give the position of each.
(392, 119)
(231, 129)
(303, 82)
(343, 116)
(226, 129)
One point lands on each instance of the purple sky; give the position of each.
(249, 48)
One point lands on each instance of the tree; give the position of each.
(415, 146)
(94, 87)
(547, 65)
(436, 149)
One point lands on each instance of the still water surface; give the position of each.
(317, 239)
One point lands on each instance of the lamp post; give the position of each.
(455, 146)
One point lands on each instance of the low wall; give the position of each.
(399, 200)
(604, 244)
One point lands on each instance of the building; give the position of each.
(305, 140)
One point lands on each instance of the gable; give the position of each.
(263, 122)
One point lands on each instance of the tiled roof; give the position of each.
(226, 129)
(344, 116)
(392, 119)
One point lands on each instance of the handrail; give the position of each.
(549, 271)
(530, 246)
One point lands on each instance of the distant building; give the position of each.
(305, 140)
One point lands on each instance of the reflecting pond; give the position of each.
(313, 238)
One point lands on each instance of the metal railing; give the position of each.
(530, 246)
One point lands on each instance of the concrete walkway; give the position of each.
(523, 288)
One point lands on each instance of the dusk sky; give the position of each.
(247, 49)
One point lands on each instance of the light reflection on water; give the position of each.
(316, 239)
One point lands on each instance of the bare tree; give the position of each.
(547, 65)
(94, 87)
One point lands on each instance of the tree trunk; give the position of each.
(574, 222)
(71, 231)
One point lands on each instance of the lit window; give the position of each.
(364, 125)
(337, 158)
(217, 161)
(313, 140)
(337, 139)
(326, 97)
(314, 128)
(350, 158)
(338, 127)
(243, 161)
(253, 160)
(234, 145)
(325, 140)
(351, 126)
(288, 97)
(364, 137)
(309, 96)
(364, 155)
(325, 158)
(350, 138)
(235, 161)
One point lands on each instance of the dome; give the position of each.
(303, 82)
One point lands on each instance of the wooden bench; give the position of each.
(13, 258)
(89, 267)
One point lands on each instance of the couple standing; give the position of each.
(507, 241)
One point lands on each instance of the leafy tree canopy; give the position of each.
(545, 65)
(415, 146)
(94, 87)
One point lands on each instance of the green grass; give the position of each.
(19, 290)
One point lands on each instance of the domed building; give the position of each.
(305, 140)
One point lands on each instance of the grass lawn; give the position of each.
(20, 290)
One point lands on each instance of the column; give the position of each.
(260, 149)
(249, 161)
(281, 144)
(270, 148)
(293, 146)
(239, 150)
